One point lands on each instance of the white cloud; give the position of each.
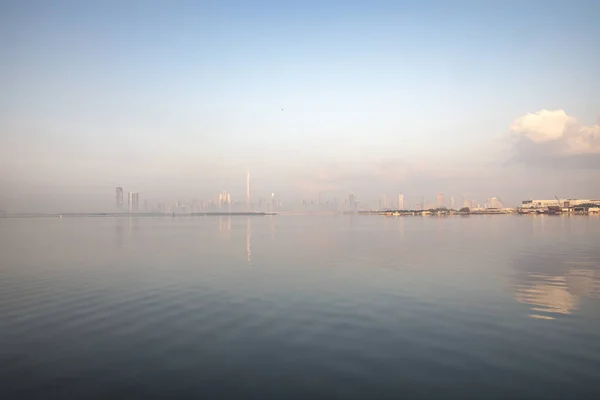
(563, 132)
(584, 140)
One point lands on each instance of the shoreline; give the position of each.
(100, 215)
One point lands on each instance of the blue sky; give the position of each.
(177, 99)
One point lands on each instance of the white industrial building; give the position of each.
(564, 203)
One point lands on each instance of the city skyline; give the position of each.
(373, 99)
(225, 202)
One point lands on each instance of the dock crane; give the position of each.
(557, 201)
(557, 209)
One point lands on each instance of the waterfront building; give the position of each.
(119, 197)
(351, 202)
(134, 201)
(565, 203)
(494, 202)
(441, 202)
(224, 199)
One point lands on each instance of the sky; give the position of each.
(178, 99)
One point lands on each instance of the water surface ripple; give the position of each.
(300, 307)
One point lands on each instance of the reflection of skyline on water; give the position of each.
(272, 220)
(559, 290)
(119, 232)
(355, 301)
(225, 232)
(224, 226)
(248, 242)
(552, 272)
(125, 226)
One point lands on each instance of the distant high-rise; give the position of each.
(400, 201)
(441, 201)
(224, 199)
(384, 202)
(272, 202)
(452, 202)
(134, 201)
(352, 202)
(119, 197)
(248, 191)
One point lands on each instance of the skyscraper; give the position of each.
(452, 202)
(400, 201)
(384, 203)
(248, 191)
(224, 199)
(441, 201)
(119, 197)
(134, 201)
(352, 202)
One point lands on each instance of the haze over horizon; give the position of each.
(176, 100)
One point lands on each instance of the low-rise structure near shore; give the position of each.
(564, 203)
(557, 206)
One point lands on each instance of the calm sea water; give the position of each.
(300, 307)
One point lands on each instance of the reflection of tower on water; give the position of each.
(272, 228)
(401, 228)
(224, 225)
(119, 223)
(248, 242)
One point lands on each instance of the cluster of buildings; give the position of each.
(133, 200)
(222, 202)
(350, 204)
(494, 205)
(391, 202)
(556, 205)
(387, 204)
